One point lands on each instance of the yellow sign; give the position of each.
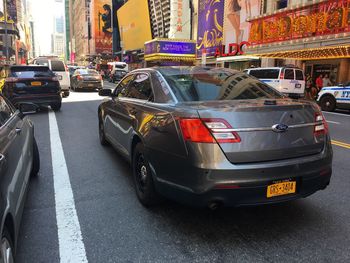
(134, 24)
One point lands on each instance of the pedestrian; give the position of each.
(326, 81)
(308, 89)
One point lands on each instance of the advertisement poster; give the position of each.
(236, 27)
(11, 11)
(103, 26)
(210, 26)
(134, 24)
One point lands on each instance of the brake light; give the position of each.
(11, 79)
(321, 126)
(208, 131)
(79, 77)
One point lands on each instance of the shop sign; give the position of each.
(170, 47)
(180, 27)
(328, 17)
(234, 49)
(210, 26)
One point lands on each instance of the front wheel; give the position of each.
(36, 159)
(101, 133)
(328, 103)
(7, 249)
(56, 106)
(143, 180)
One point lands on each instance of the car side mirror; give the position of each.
(27, 108)
(105, 93)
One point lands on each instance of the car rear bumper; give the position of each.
(241, 185)
(89, 85)
(40, 100)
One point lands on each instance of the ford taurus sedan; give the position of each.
(212, 137)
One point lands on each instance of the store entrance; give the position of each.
(316, 69)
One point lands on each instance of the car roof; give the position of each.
(262, 68)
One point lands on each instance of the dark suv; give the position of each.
(36, 84)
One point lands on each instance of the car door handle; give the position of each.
(18, 130)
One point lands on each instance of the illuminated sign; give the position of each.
(329, 17)
(233, 49)
(170, 47)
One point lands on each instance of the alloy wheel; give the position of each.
(141, 172)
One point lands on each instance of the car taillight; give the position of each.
(11, 79)
(79, 77)
(321, 126)
(208, 131)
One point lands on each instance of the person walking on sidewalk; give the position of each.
(319, 84)
(326, 81)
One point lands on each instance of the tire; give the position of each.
(36, 160)
(6, 247)
(101, 132)
(328, 103)
(56, 106)
(143, 180)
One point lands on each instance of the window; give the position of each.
(281, 4)
(288, 74)
(140, 88)
(42, 62)
(5, 111)
(31, 72)
(265, 73)
(209, 84)
(299, 75)
(57, 65)
(121, 89)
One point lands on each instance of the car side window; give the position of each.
(122, 87)
(5, 111)
(288, 74)
(299, 75)
(140, 87)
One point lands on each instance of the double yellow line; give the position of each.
(341, 144)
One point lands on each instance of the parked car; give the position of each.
(331, 98)
(19, 159)
(288, 80)
(59, 68)
(86, 79)
(35, 84)
(117, 75)
(211, 136)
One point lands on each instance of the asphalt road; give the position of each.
(115, 227)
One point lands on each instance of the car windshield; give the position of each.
(203, 84)
(31, 72)
(88, 72)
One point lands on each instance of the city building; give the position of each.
(160, 18)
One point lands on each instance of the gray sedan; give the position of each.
(212, 137)
(88, 79)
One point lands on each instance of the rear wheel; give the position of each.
(328, 103)
(56, 106)
(6, 249)
(36, 159)
(143, 181)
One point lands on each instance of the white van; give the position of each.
(287, 80)
(59, 68)
(116, 65)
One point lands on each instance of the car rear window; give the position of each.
(87, 72)
(31, 72)
(288, 74)
(299, 75)
(57, 65)
(265, 73)
(205, 84)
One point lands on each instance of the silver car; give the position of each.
(212, 137)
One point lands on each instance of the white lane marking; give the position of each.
(336, 113)
(332, 122)
(70, 240)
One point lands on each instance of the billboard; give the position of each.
(102, 15)
(116, 4)
(210, 26)
(236, 27)
(170, 47)
(324, 18)
(180, 26)
(134, 24)
(11, 11)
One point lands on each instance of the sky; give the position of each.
(44, 12)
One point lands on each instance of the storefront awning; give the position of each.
(237, 58)
(331, 52)
(173, 57)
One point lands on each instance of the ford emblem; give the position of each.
(279, 127)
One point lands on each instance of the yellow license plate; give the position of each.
(36, 83)
(283, 188)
